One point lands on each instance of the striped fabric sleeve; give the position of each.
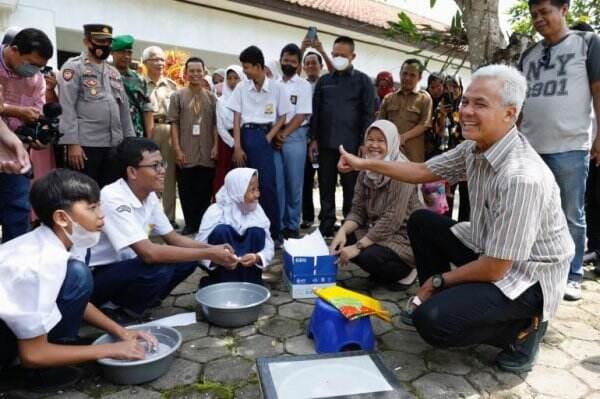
(515, 221)
(450, 165)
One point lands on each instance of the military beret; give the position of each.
(123, 42)
(99, 31)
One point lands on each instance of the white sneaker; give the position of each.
(573, 291)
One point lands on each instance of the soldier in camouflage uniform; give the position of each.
(140, 106)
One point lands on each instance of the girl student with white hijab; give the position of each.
(233, 75)
(236, 218)
(374, 234)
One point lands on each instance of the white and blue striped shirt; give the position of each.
(515, 214)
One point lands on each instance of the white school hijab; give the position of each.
(224, 114)
(230, 208)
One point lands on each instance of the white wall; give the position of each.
(216, 35)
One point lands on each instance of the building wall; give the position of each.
(216, 30)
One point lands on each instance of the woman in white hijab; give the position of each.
(233, 75)
(375, 228)
(237, 219)
(273, 70)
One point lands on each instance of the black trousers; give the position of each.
(470, 313)
(8, 346)
(195, 188)
(380, 262)
(308, 206)
(328, 174)
(592, 208)
(101, 165)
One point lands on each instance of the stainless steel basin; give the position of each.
(232, 304)
(140, 371)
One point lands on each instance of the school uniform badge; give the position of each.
(124, 208)
(269, 109)
(68, 74)
(293, 99)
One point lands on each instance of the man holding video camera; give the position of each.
(24, 91)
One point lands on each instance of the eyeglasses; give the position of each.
(157, 166)
(545, 61)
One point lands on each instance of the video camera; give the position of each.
(45, 129)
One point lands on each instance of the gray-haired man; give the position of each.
(160, 89)
(513, 257)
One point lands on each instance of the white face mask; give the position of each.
(80, 237)
(340, 63)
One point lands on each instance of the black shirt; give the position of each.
(343, 108)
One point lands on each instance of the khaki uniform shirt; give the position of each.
(94, 103)
(196, 142)
(407, 110)
(160, 95)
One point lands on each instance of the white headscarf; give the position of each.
(275, 69)
(221, 72)
(224, 114)
(392, 139)
(240, 73)
(230, 208)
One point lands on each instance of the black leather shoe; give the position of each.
(306, 224)
(287, 233)
(520, 356)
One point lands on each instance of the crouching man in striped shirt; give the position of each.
(513, 257)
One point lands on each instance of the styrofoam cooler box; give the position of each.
(304, 273)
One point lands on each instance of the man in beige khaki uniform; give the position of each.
(409, 108)
(160, 89)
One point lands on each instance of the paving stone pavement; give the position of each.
(218, 363)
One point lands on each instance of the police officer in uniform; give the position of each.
(95, 115)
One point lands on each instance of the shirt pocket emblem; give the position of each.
(269, 109)
(294, 99)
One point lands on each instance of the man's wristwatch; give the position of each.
(360, 245)
(437, 280)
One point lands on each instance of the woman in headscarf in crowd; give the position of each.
(233, 75)
(454, 87)
(218, 77)
(374, 235)
(207, 83)
(273, 70)
(237, 219)
(385, 85)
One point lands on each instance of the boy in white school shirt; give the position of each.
(44, 291)
(260, 106)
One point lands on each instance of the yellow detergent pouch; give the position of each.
(352, 304)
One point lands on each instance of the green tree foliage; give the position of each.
(580, 11)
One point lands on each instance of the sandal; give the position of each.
(406, 313)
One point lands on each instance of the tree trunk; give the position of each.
(482, 25)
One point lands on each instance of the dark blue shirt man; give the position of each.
(343, 108)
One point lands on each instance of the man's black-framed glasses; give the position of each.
(157, 166)
(545, 60)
